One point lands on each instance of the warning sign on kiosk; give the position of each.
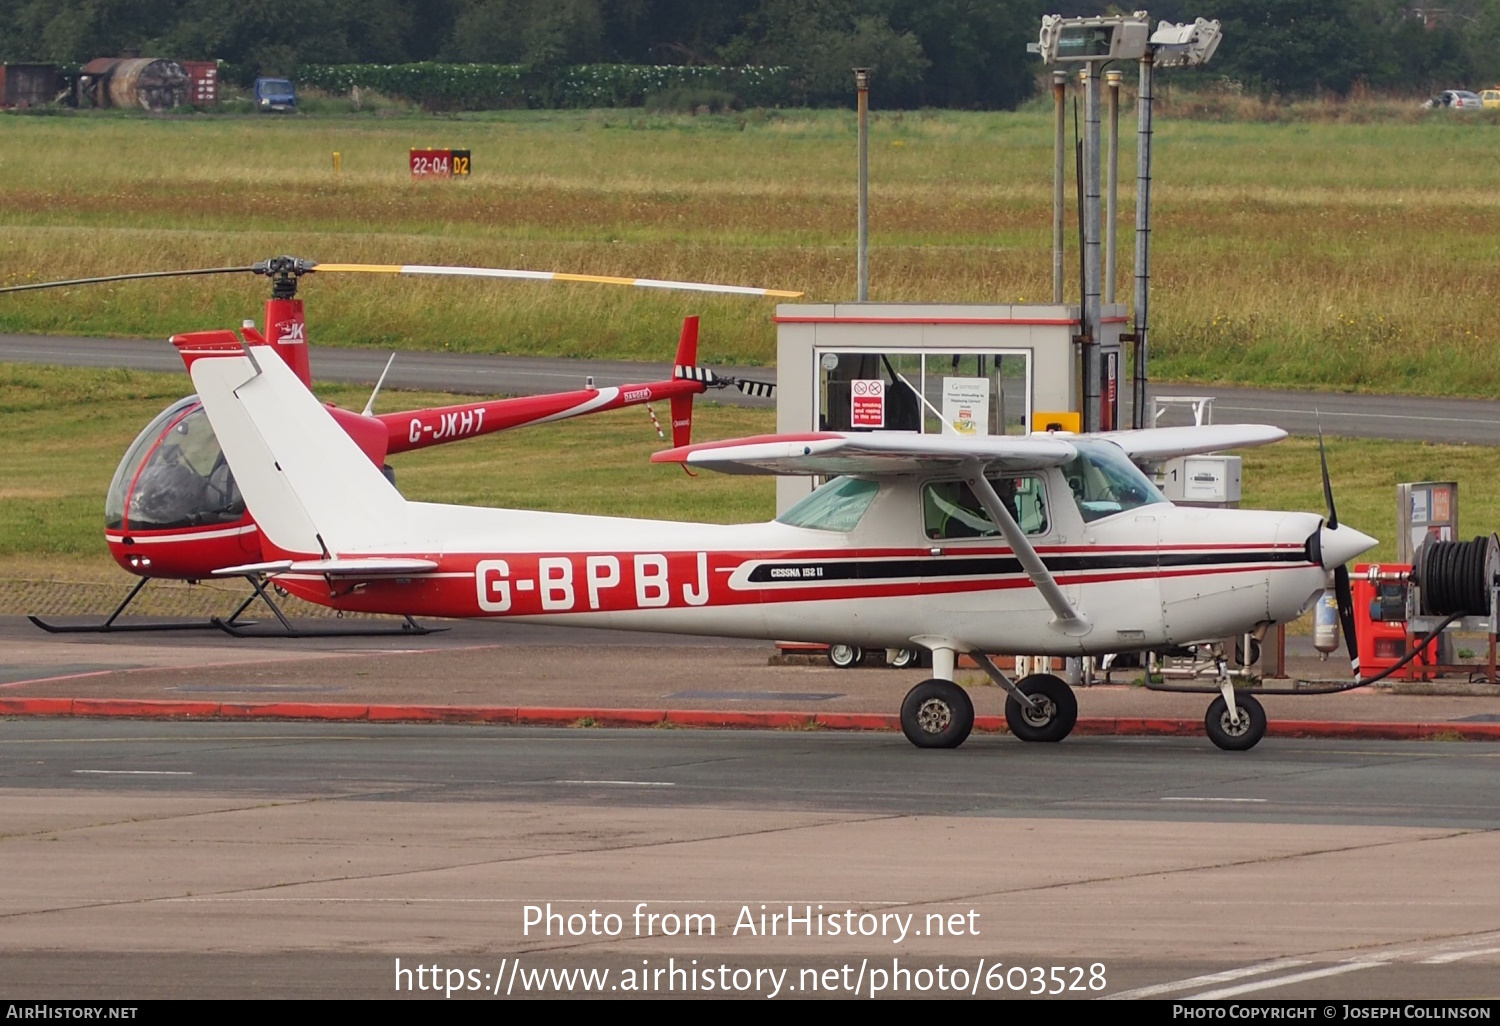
(868, 398)
(966, 406)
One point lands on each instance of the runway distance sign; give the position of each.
(440, 163)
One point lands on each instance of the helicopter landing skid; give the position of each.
(108, 626)
(230, 625)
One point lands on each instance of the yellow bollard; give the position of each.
(338, 162)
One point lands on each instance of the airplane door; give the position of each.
(1125, 603)
(971, 578)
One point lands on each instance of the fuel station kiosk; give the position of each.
(975, 369)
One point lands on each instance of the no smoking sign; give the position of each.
(868, 398)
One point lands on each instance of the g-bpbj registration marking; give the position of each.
(559, 584)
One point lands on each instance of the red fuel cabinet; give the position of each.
(1380, 619)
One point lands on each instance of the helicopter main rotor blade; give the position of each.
(126, 277)
(500, 272)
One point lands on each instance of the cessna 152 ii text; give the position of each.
(1049, 544)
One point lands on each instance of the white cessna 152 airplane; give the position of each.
(1049, 544)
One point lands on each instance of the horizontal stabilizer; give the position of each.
(872, 453)
(374, 566)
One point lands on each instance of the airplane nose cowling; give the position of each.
(1341, 544)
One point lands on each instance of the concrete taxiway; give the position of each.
(169, 857)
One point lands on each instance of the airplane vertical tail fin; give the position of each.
(682, 405)
(312, 490)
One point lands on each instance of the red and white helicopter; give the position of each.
(173, 510)
(1042, 545)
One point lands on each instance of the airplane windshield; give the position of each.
(837, 506)
(174, 475)
(1105, 482)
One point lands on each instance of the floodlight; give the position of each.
(1093, 39)
(1185, 46)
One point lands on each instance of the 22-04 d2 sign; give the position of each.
(439, 163)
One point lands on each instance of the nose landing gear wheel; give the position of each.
(937, 714)
(845, 656)
(1235, 737)
(1054, 716)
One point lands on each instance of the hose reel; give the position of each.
(1457, 578)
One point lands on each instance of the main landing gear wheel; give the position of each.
(845, 656)
(904, 658)
(937, 714)
(1235, 737)
(1054, 716)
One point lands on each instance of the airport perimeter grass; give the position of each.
(67, 430)
(1354, 256)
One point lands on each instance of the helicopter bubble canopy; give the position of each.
(173, 475)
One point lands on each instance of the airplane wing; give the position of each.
(1153, 445)
(873, 452)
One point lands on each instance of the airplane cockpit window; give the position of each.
(174, 475)
(837, 506)
(950, 509)
(1105, 482)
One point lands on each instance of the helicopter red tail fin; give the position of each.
(682, 405)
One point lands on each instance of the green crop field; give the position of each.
(1354, 256)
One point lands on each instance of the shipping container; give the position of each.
(204, 78)
(27, 85)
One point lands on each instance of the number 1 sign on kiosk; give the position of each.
(439, 163)
(869, 404)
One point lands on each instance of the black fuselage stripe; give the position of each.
(996, 566)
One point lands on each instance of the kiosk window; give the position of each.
(951, 510)
(979, 393)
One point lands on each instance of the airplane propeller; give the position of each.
(1342, 589)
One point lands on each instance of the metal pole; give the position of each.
(1059, 181)
(1092, 414)
(1112, 79)
(862, 85)
(1142, 240)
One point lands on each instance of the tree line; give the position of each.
(939, 53)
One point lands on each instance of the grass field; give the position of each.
(1305, 254)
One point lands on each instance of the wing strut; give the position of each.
(1068, 620)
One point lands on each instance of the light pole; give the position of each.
(862, 89)
(1095, 42)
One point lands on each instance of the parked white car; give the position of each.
(1456, 99)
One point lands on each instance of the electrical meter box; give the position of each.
(1424, 509)
(1201, 480)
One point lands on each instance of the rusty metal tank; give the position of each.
(150, 83)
